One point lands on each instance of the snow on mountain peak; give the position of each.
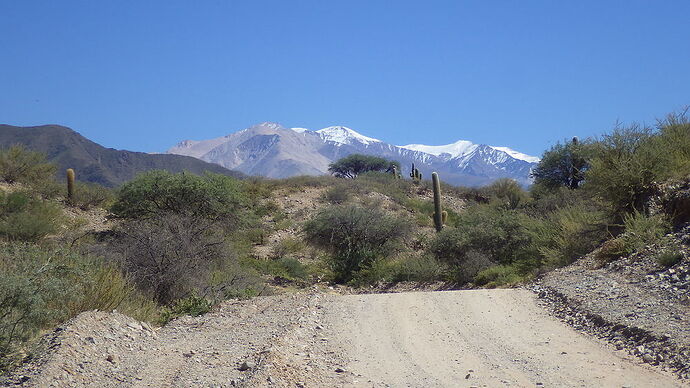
(344, 135)
(459, 148)
(517, 155)
(300, 130)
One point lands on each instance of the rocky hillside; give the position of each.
(95, 163)
(271, 150)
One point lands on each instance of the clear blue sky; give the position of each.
(142, 75)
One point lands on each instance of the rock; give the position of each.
(648, 358)
(247, 365)
(339, 370)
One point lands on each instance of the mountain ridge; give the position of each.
(276, 151)
(94, 162)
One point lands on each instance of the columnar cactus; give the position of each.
(70, 185)
(415, 174)
(439, 216)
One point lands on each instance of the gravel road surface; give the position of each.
(475, 338)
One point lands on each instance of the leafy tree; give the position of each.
(564, 164)
(17, 164)
(353, 165)
(211, 196)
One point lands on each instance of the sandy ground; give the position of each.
(476, 338)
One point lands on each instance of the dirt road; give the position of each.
(480, 338)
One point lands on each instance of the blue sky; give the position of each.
(143, 75)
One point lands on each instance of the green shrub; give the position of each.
(17, 164)
(288, 246)
(192, 305)
(501, 275)
(283, 267)
(642, 230)
(507, 191)
(674, 141)
(90, 195)
(624, 169)
(423, 268)
(568, 234)
(337, 194)
(669, 257)
(40, 288)
(356, 236)
(500, 234)
(25, 218)
(211, 196)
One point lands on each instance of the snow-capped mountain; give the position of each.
(271, 150)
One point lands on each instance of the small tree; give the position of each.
(355, 164)
(17, 164)
(564, 164)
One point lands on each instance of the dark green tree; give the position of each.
(564, 164)
(353, 165)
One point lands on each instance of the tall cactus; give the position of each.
(415, 174)
(70, 185)
(439, 216)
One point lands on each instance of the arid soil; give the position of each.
(480, 338)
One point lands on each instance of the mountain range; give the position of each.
(271, 150)
(95, 163)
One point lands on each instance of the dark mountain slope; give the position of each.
(95, 163)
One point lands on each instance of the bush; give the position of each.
(170, 256)
(568, 234)
(40, 288)
(508, 191)
(211, 196)
(642, 230)
(192, 305)
(356, 236)
(287, 246)
(17, 164)
(25, 218)
(91, 195)
(283, 267)
(624, 169)
(337, 194)
(500, 275)
(498, 233)
(669, 257)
